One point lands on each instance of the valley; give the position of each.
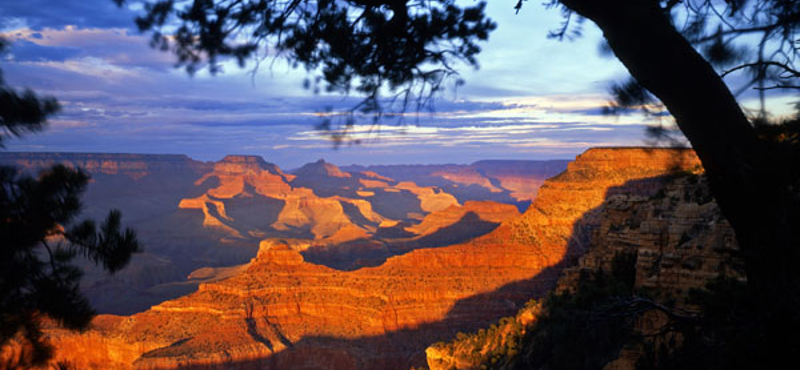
(335, 281)
(209, 216)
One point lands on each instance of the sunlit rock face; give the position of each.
(470, 213)
(679, 236)
(559, 221)
(392, 199)
(680, 241)
(243, 181)
(234, 172)
(281, 311)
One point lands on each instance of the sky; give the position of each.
(532, 97)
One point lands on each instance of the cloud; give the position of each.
(119, 95)
(41, 14)
(27, 51)
(117, 47)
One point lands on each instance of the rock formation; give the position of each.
(284, 312)
(317, 201)
(679, 239)
(508, 181)
(192, 214)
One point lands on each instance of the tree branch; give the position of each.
(766, 63)
(776, 87)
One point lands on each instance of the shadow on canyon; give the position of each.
(404, 348)
(396, 241)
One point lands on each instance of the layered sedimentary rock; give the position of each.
(455, 224)
(566, 208)
(468, 176)
(510, 181)
(431, 199)
(192, 214)
(390, 198)
(283, 312)
(679, 240)
(319, 199)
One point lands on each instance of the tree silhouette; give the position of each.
(677, 52)
(24, 112)
(40, 239)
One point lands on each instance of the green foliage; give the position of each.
(583, 329)
(488, 348)
(37, 278)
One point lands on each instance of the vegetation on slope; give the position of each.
(573, 329)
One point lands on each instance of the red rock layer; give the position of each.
(283, 312)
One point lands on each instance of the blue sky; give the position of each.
(532, 98)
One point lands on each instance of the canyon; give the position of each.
(396, 286)
(194, 215)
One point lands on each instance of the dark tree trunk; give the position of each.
(745, 175)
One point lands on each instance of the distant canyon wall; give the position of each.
(194, 215)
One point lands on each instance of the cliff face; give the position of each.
(316, 202)
(490, 212)
(565, 211)
(679, 239)
(283, 312)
